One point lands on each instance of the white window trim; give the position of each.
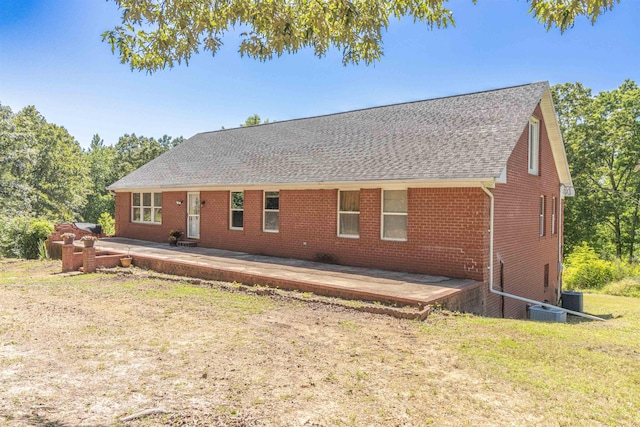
(542, 218)
(264, 210)
(533, 152)
(232, 210)
(554, 207)
(383, 213)
(347, 236)
(141, 207)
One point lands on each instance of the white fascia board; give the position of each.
(555, 138)
(356, 185)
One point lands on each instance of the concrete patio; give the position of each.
(323, 279)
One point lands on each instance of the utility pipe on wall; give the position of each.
(560, 208)
(505, 294)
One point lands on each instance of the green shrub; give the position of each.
(107, 223)
(22, 237)
(31, 240)
(585, 270)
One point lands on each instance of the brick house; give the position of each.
(410, 187)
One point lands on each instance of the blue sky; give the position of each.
(52, 56)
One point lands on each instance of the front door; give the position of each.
(193, 215)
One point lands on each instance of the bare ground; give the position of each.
(87, 350)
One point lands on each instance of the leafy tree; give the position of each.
(602, 136)
(253, 121)
(44, 173)
(133, 151)
(101, 160)
(59, 175)
(96, 205)
(103, 171)
(108, 163)
(160, 33)
(45, 176)
(16, 152)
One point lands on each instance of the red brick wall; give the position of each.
(517, 241)
(447, 229)
(173, 217)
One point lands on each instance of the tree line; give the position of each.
(602, 137)
(46, 175)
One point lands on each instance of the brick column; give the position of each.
(67, 258)
(89, 259)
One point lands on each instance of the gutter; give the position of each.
(517, 297)
(331, 185)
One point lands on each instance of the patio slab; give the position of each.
(323, 279)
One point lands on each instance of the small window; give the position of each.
(394, 215)
(349, 213)
(554, 207)
(546, 277)
(237, 210)
(534, 146)
(146, 208)
(271, 211)
(542, 228)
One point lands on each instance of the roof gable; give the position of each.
(459, 138)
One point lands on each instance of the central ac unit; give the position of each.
(538, 312)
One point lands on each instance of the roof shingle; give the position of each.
(459, 137)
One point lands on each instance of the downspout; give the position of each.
(505, 294)
(560, 226)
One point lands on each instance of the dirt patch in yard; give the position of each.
(91, 349)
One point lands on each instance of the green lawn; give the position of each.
(583, 372)
(87, 349)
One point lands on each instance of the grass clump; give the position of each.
(629, 287)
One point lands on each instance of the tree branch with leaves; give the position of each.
(156, 34)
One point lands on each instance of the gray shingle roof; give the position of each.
(454, 138)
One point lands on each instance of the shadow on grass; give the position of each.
(577, 319)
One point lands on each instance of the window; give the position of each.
(534, 146)
(271, 211)
(554, 207)
(542, 230)
(146, 207)
(237, 210)
(349, 213)
(546, 277)
(394, 215)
